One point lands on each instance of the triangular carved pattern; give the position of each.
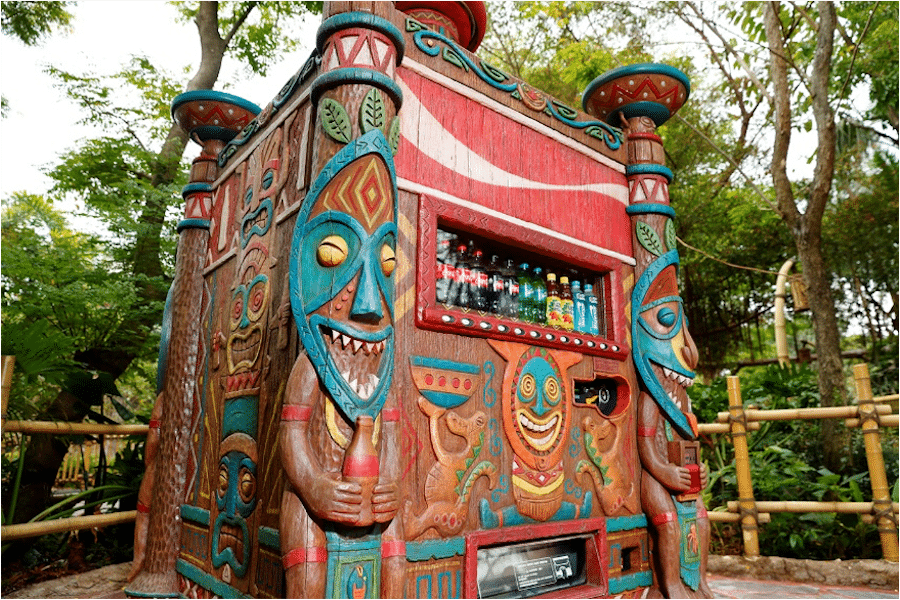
(362, 189)
(647, 188)
(362, 48)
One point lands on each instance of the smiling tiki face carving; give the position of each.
(342, 286)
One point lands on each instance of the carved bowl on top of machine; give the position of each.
(211, 115)
(643, 90)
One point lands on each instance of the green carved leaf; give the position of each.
(394, 135)
(371, 113)
(649, 239)
(335, 120)
(670, 235)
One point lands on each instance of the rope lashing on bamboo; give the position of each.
(884, 508)
(748, 512)
(742, 419)
(869, 413)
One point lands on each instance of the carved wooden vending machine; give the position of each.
(425, 338)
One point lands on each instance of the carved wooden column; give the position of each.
(212, 119)
(641, 98)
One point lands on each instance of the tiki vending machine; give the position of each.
(424, 337)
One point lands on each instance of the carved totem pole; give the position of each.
(338, 438)
(644, 97)
(211, 119)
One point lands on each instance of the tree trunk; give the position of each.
(806, 227)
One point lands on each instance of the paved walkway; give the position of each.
(754, 588)
(107, 582)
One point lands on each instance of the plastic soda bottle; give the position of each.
(554, 307)
(567, 305)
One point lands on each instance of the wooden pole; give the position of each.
(781, 345)
(881, 495)
(748, 513)
(63, 428)
(803, 506)
(792, 414)
(8, 363)
(26, 530)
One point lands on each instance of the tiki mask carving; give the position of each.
(342, 263)
(664, 352)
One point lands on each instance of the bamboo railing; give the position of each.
(870, 414)
(24, 530)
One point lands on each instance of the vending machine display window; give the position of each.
(480, 273)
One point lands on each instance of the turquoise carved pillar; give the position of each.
(339, 536)
(640, 98)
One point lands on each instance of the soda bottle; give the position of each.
(539, 303)
(567, 305)
(459, 288)
(495, 284)
(580, 301)
(446, 265)
(510, 305)
(593, 324)
(554, 307)
(526, 293)
(478, 299)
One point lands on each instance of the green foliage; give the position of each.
(259, 33)
(31, 22)
(786, 464)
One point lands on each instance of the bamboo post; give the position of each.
(749, 516)
(881, 496)
(19, 531)
(8, 363)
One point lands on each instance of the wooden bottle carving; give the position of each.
(361, 466)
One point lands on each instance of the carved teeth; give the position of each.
(357, 344)
(682, 380)
(345, 339)
(369, 347)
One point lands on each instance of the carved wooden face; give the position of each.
(342, 284)
(536, 402)
(248, 311)
(664, 352)
(236, 499)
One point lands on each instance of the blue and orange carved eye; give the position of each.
(223, 480)
(666, 317)
(332, 251)
(388, 260)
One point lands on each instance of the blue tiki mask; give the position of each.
(663, 350)
(235, 499)
(342, 265)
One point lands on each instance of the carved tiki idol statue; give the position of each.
(338, 422)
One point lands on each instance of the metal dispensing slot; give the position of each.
(531, 568)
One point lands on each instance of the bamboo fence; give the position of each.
(869, 414)
(77, 463)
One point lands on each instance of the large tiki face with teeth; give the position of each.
(664, 352)
(342, 286)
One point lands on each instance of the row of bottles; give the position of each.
(467, 279)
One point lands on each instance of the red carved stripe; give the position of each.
(363, 466)
(155, 423)
(646, 431)
(390, 414)
(143, 508)
(644, 135)
(292, 412)
(393, 548)
(293, 558)
(662, 519)
(316, 555)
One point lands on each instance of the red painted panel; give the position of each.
(456, 145)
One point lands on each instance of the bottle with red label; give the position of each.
(554, 307)
(459, 287)
(566, 304)
(495, 284)
(479, 293)
(446, 267)
(510, 307)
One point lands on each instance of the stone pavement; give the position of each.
(730, 577)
